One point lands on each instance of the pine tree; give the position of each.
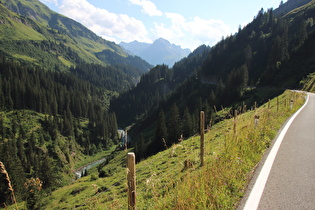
(2, 128)
(13, 166)
(113, 127)
(48, 172)
(187, 124)
(21, 150)
(174, 124)
(160, 134)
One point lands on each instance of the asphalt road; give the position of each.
(291, 180)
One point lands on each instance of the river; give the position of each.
(78, 172)
(86, 167)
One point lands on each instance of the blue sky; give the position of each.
(188, 23)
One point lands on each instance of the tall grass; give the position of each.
(174, 179)
(230, 160)
(221, 184)
(8, 182)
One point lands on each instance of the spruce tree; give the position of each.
(161, 133)
(187, 124)
(174, 125)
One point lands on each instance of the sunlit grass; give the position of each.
(173, 179)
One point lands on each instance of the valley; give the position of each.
(66, 92)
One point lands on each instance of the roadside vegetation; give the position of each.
(173, 178)
(64, 92)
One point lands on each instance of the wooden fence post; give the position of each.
(256, 120)
(269, 104)
(126, 140)
(234, 126)
(131, 179)
(202, 137)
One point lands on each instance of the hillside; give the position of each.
(33, 34)
(289, 6)
(155, 86)
(49, 122)
(174, 179)
(265, 57)
(65, 91)
(159, 52)
(56, 81)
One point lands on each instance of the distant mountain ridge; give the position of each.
(272, 53)
(53, 41)
(161, 51)
(289, 6)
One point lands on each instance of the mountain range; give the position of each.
(160, 51)
(28, 25)
(270, 54)
(64, 91)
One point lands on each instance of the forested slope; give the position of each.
(48, 122)
(270, 54)
(56, 79)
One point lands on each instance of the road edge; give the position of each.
(257, 184)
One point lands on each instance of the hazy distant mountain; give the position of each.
(135, 47)
(160, 51)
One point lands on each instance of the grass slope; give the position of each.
(14, 27)
(173, 179)
(30, 21)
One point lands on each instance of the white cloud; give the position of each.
(55, 2)
(148, 7)
(111, 26)
(191, 33)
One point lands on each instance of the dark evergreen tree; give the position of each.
(161, 134)
(48, 172)
(174, 125)
(187, 124)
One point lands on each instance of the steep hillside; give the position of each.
(34, 34)
(174, 178)
(57, 78)
(49, 122)
(268, 55)
(56, 81)
(155, 86)
(290, 5)
(36, 10)
(159, 52)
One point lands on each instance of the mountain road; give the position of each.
(286, 180)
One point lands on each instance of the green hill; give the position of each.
(55, 88)
(174, 179)
(33, 34)
(269, 55)
(62, 88)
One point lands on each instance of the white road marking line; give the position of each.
(256, 193)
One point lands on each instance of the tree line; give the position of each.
(49, 118)
(257, 56)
